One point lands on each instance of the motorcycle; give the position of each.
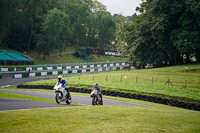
(96, 99)
(61, 94)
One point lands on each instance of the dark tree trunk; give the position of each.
(44, 56)
(187, 58)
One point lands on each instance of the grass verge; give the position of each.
(109, 119)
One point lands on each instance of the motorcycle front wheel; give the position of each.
(58, 99)
(94, 101)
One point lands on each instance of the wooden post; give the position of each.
(79, 77)
(185, 83)
(136, 79)
(93, 76)
(106, 77)
(168, 82)
(121, 78)
(152, 80)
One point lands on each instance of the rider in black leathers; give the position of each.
(96, 86)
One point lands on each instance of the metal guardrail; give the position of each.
(55, 66)
(73, 70)
(72, 64)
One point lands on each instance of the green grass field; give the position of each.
(144, 84)
(102, 119)
(69, 58)
(114, 119)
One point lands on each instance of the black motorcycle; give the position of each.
(96, 99)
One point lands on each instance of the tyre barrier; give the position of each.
(190, 106)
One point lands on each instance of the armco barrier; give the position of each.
(63, 66)
(68, 71)
(153, 99)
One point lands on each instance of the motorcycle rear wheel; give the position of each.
(69, 99)
(101, 101)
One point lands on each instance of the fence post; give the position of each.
(121, 78)
(168, 82)
(136, 79)
(185, 83)
(106, 77)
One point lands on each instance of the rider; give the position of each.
(96, 86)
(64, 83)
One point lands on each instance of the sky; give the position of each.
(124, 7)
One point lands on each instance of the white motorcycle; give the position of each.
(61, 94)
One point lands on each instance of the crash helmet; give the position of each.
(95, 85)
(60, 78)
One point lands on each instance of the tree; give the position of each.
(120, 41)
(186, 36)
(19, 22)
(79, 13)
(163, 32)
(106, 29)
(55, 31)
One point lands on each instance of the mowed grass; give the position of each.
(101, 119)
(69, 58)
(145, 81)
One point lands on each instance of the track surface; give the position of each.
(13, 81)
(13, 104)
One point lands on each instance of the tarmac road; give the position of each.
(14, 81)
(13, 104)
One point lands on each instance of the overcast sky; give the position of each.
(126, 7)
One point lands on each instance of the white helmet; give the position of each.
(60, 78)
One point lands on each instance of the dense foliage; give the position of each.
(164, 33)
(49, 24)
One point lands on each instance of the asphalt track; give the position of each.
(14, 104)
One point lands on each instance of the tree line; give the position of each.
(45, 25)
(162, 33)
(165, 32)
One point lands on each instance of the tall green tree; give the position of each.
(120, 40)
(56, 29)
(106, 29)
(79, 13)
(163, 32)
(186, 37)
(19, 22)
